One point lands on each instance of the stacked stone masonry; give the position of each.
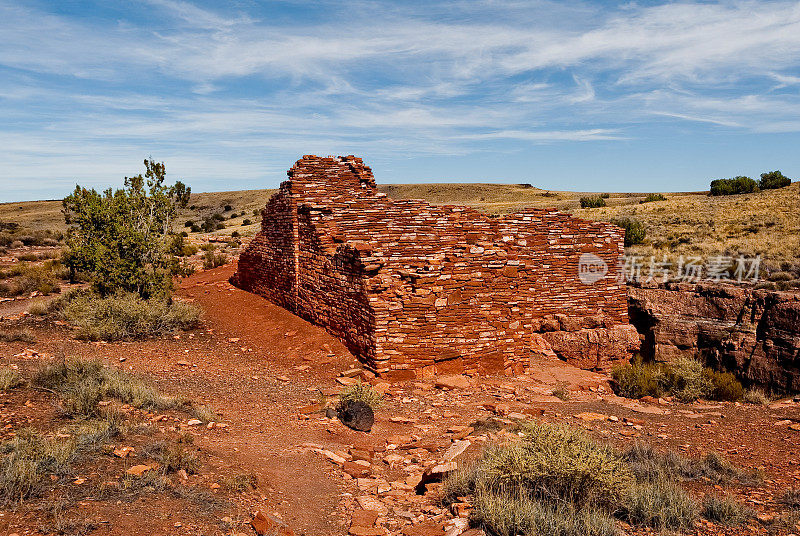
(435, 289)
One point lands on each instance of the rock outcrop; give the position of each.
(753, 333)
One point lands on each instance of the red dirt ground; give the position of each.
(256, 364)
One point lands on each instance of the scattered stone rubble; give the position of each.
(416, 290)
(393, 479)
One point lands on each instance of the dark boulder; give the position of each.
(357, 415)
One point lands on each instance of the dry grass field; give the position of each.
(687, 223)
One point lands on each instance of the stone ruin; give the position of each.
(415, 290)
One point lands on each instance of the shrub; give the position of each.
(196, 228)
(556, 463)
(188, 223)
(172, 456)
(605, 196)
(736, 185)
(214, 260)
(685, 378)
(239, 483)
(634, 230)
(781, 276)
(688, 380)
(553, 480)
(724, 510)
(28, 257)
(772, 180)
(184, 269)
(649, 465)
(235, 234)
(23, 335)
(756, 396)
(83, 383)
(26, 458)
(179, 247)
(203, 413)
(653, 197)
(10, 379)
(228, 208)
(213, 223)
(791, 498)
(639, 379)
(125, 315)
(512, 515)
(362, 392)
(120, 238)
(561, 391)
(189, 250)
(592, 202)
(660, 504)
(38, 308)
(27, 278)
(246, 221)
(724, 385)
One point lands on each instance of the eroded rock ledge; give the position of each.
(754, 333)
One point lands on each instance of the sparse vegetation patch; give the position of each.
(593, 201)
(82, 384)
(25, 278)
(553, 480)
(653, 197)
(173, 456)
(685, 378)
(124, 315)
(360, 392)
(211, 259)
(22, 335)
(28, 457)
(724, 510)
(651, 465)
(756, 396)
(660, 504)
(556, 480)
(634, 230)
(10, 379)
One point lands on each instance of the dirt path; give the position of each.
(250, 376)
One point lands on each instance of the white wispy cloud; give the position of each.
(207, 86)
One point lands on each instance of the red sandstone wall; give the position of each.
(268, 265)
(438, 289)
(457, 290)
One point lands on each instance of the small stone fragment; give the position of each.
(367, 502)
(138, 470)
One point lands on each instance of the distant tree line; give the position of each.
(745, 185)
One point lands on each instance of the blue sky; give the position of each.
(633, 96)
